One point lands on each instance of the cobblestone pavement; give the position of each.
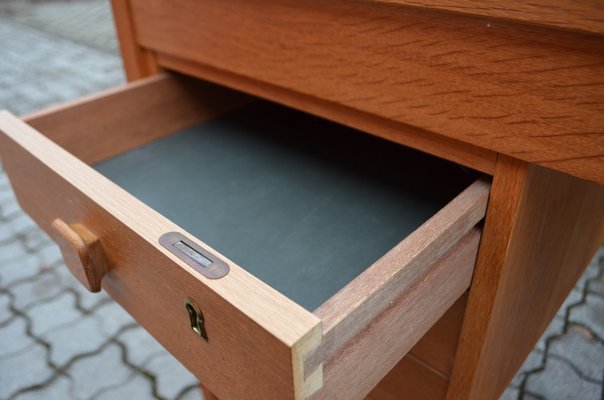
(58, 341)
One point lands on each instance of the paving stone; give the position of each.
(141, 346)
(14, 339)
(59, 389)
(10, 211)
(31, 292)
(5, 312)
(22, 370)
(103, 370)
(20, 223)
(171, 377)
(559, 381)
(79, 337)
(7, 197)
(138, 388)
(54, 313)
(12, 252)
(193, 393)
(592, 270)
(575, 297)
(113, 318)
(49, 255)
(532, 362)
(36, 240)
(586, 352)
(19, 269)
(87, 300)
(590, 314)
(555, 328)
(511, 393)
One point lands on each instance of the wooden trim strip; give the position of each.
(581, 16)
(113, 121)
(351, 309)
(360, 363)
(138, 61)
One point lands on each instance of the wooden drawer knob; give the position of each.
(82, 252)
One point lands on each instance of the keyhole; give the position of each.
(196, 318)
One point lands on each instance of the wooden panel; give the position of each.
(438, 346)
(527, 92)
(585, 15)
(453, 150)
(138, 61)
(257, 337)
(541, 230)
(411, 379)
(357, 366)
(107, 123)
(352, 309)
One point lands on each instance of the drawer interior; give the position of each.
(301, 203)
(377, 239)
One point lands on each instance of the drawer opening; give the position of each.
(303, 204)
(376, 239)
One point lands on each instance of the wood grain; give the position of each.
(351, 309)
(411, 379)
(541, 230)
(585, 16)
(438, 346)
(531, 93)
(113, 121)
(138, 61)
(424, 372)
(441, 146)
(255, 333)
(358, 366)
(82, 251)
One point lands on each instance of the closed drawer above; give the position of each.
(309, 257)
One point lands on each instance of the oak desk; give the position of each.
(506, 89)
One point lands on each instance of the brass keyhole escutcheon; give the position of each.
(196, 318)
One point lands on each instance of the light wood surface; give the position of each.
(359, 365)
(527, 92)
(129, 116)
(541, 230)
(257, 337)
(353, 308)
(585, 16)
(438, 346)
(411, 379)
(138, 61)
(82, 252)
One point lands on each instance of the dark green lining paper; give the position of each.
(301, 203)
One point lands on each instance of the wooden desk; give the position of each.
(511, 90)
(507, 88)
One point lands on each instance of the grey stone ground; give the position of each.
(58, 341)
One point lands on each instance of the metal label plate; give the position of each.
(194, 255)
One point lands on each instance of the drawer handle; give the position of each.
(196, 318)
(82, 252)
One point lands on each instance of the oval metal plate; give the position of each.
(194, 255)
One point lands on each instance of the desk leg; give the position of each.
(541, 230)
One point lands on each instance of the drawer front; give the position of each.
(255, 334)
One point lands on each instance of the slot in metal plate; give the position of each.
(194, 255)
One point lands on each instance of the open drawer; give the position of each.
(311, 257)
